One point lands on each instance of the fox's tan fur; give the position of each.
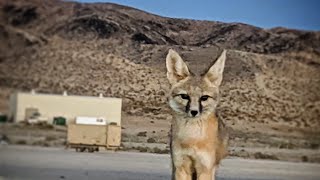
(198, 139)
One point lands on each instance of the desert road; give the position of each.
(36, 163)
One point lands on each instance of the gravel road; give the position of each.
(37, 163)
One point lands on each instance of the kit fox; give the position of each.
(198, 137)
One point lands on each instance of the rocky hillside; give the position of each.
(272, 77)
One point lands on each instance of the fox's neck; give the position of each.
(195, 128)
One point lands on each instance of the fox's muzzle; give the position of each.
(194, 107)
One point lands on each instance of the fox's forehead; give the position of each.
(194, 85)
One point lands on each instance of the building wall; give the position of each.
(12, 106)
(69, 107)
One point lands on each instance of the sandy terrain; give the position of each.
(144, 141)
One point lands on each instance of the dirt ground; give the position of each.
(153, 138)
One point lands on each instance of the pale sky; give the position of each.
(295, 14)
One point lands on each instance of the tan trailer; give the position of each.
(84, 137)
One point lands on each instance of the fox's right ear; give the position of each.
(214, 74)
(177, 69)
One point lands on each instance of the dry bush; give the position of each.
(259, 155)
(143, 134)
(304, 159)
(160, 151)
(21, 142)
(51, 138)
(151, 140)
(142, 149)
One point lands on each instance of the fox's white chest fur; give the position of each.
(204, 158)
(190, 130)
(194, 130)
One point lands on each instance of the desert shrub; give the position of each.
(314, 146)
(160, 151)
(5, 138)
(304, 159)
(286, 146)
(129, 138)
(21, 142)
(151, 140)
(259, 155)
(142, 149)
(51, 138)
(45, 125)
(45, 144)
(143, 134)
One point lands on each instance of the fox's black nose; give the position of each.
(194, 113)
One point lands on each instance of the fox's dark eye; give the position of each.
(184, 96)
(204, 98)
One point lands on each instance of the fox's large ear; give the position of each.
(214, 75)
(177, 69)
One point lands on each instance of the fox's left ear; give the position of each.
(214, 74)
(177, 69)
